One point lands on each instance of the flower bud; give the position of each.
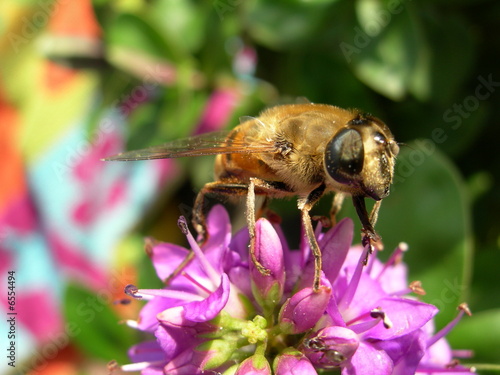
(291, 361)
(304, 309)
(254, 365)
(331, 346)
(267, 289)
(217, 352)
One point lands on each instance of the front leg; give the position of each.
(369, 234)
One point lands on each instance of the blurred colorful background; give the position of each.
(81, 80)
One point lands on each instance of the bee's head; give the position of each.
(361, 156)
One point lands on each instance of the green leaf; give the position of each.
(282, 24)
(484, 288)
(387, 50)
(129, 32)
(173, 17)
(180, 113)
(172, 117)
(94, 325)
(463, 131)
(452, 61)
(479, 333)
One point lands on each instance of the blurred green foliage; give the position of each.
(429, 69)
(97, 329)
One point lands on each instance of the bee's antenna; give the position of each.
(404, 144)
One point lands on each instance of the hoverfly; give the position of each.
(303, 150)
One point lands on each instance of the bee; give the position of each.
(302, 150)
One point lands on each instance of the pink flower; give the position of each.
(220, 313)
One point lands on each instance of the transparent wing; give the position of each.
(204, 144)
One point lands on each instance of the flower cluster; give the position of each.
(220, 315)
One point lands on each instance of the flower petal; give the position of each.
(147, 317)
(152, 371)
(438, 354)
(366, 359)
(393, 277)
(184, 364)
(239, 243)
(175, 340)
(405, 351)
(335, 246)
(240, 278)
(195, 360)
(203, 311)
(406, 316)
(368, 293)
(216, 248)
(295, 270)
(334, 313)
(166, 258)
(147, 351)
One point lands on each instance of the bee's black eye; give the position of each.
(344, 155)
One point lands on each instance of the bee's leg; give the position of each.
(338, 199)
(374, 213)
(305, 205)
(260, 187)
(217, 187)
(198, 221)
(377, 241)
(369, 234)
(251, 224)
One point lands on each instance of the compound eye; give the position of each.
(344, 155)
